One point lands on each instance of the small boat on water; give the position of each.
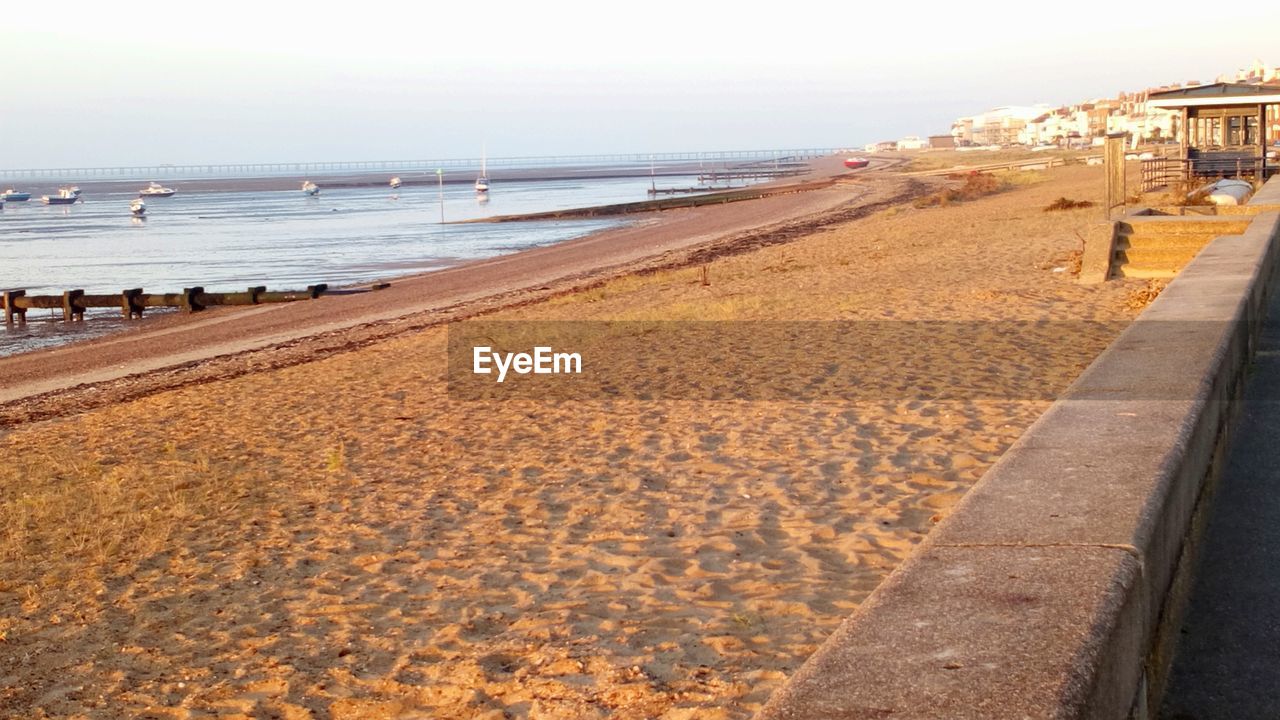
(65, 196)
(395, 183)
(155, 189)
(482, 182)
(138, 208)
(14, 196)
(310, 189)
(855, 163)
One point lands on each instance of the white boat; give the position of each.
(138, 208)
(482, 182)
(395, 182)
(65, 196)
(154, 190)
(311, 189)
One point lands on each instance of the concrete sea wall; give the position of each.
(1043, 595)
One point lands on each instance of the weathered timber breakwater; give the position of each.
(133, 302)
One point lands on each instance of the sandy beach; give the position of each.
(289, 515)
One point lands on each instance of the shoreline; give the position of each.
(819, 173)
(170, 350)
(755, 192)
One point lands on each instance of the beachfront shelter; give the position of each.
(1225, 129)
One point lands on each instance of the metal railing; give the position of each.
(1165, 172)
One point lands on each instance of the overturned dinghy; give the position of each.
(1229, 192)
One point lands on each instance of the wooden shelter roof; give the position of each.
(1216, 94)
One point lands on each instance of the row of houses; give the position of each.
(1089, 122)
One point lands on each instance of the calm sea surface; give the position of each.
(281, 239)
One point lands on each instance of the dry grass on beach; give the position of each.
(950, 158)
(342, 539)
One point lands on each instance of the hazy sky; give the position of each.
(108, 83)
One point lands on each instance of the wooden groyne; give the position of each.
(690, 190)
(133, 302)
(715, 176)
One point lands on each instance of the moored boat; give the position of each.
(310, 188)
(155, 189)
(482, 182)
(12, 195)
(855, 163)
(395, 182)
(138, 208)
(65, 196)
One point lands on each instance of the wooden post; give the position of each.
(1262, 142)
(190, 301)
(70, 311)
(1186, 133)
(131, 303)
(254, 292)
(317, 290)
(1113, 162)
(10, 310)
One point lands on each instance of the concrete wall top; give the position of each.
(1269, 194)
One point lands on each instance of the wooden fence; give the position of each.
(1165, 172)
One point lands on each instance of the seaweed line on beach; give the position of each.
(321, 345)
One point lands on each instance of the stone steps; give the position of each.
(1160, 246)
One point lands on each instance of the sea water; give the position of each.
(227, 241)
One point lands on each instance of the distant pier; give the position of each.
(242, 170)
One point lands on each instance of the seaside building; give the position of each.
(941, 142)
(912, 142)
(1258, 72)
(1087, 123)
(1223, 129)
(998, 126)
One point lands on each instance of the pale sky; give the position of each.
(110, 83)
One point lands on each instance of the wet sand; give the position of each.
(340, 538)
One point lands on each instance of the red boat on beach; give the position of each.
(855, 162)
